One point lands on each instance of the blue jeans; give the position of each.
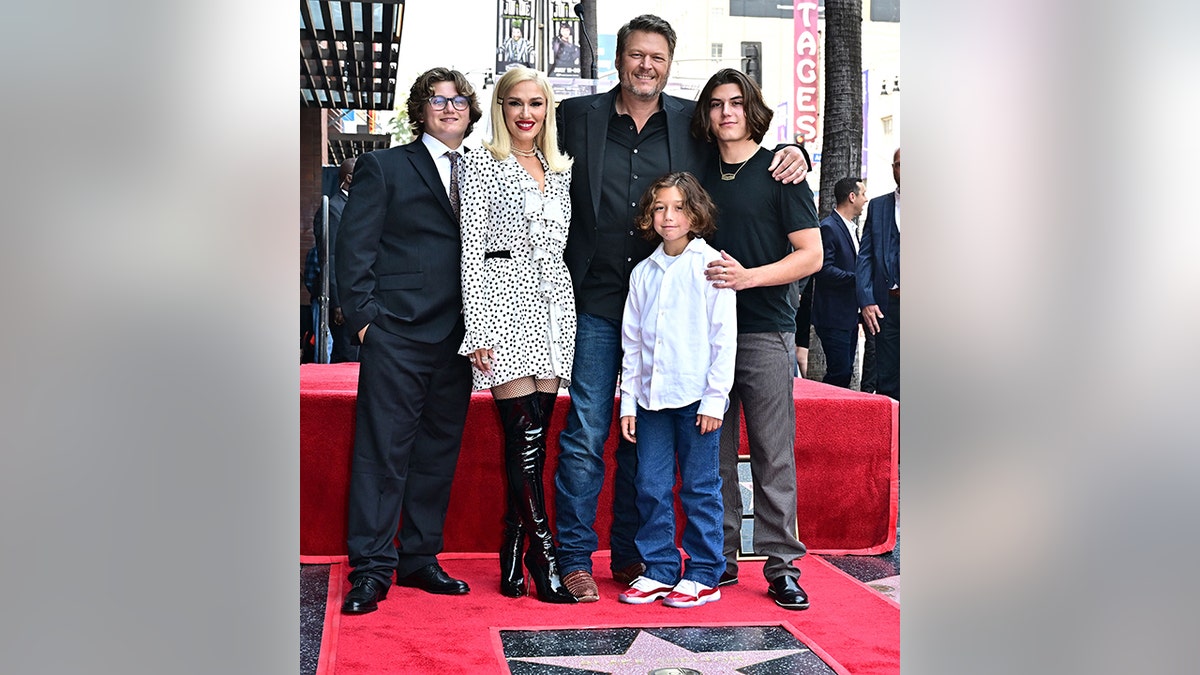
(662, 436)
(580, 473)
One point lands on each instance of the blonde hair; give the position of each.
(547, 139)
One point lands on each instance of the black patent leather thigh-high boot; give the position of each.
(524, 463)
(512, 573)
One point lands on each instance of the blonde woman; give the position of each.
(519, 307)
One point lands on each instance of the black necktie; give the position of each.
(453, 181)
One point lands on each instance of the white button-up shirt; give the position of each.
(850, 228)
(437, 150)
(679, 334)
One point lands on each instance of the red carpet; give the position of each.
(846, 466)
(854, 629)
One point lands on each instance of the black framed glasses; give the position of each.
(439, 102)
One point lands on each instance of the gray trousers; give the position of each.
(762, 386)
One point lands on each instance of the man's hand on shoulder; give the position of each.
(729, 273)
(788, 166)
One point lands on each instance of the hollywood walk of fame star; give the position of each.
(649, 652)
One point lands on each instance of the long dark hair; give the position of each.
(758, 114)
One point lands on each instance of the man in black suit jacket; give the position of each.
(878, 279)
(398, 257)
(343, 349)
(835, 304)
(622, 140)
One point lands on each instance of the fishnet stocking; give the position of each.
(524, 386)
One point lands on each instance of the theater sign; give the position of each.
(805, 78)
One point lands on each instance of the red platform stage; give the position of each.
(847, 451)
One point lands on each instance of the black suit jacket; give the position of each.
(337, 203)
(399, 249)
(583, 134)
(834, 302)
(878, 264)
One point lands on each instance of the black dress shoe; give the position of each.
(433, 579)
(788, 594)
(727, 579)
(364, 597)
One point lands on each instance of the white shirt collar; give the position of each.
(849, 223)
(437, 148)
(663, 260)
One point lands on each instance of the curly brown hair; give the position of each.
(699, 207)
(422, 89)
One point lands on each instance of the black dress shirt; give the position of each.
(632, 161)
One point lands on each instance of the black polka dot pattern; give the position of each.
(522, 307)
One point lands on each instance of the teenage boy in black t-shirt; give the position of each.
(768, 236)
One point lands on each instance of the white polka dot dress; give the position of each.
(522, 307)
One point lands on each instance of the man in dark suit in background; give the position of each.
(343, 349)
(398, 256)
(835, 303)
(878, 278)
(622, 140)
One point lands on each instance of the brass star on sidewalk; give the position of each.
(648, 653)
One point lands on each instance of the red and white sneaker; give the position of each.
(688, 593)
(642, 591)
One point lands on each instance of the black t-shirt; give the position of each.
(632, 161)
(756, 215)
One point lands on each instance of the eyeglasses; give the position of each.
(439, 102)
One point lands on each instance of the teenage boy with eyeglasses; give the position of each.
(398, 254)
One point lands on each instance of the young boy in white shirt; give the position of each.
(679, 335)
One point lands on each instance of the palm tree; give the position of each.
(841, 144)
(841, 135)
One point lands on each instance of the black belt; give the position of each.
(894, 292)
(497, 254)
